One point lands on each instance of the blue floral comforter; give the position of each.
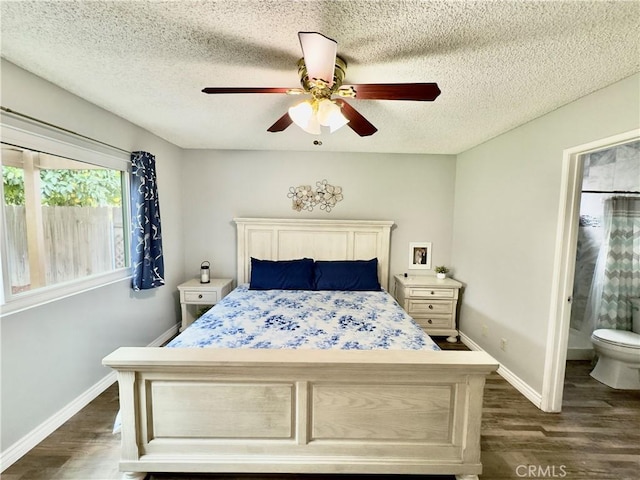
(297, 319)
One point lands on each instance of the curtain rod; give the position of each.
(66, 130)
(612, 192)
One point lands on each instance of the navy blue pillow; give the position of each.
(281, 274)
(347, 275)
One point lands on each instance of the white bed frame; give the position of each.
(302, 411)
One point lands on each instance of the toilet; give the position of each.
(618, 354)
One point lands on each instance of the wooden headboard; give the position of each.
(287, 239)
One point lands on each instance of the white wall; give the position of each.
(415, 191)
(52, 354)
(506, 214)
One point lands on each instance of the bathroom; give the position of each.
(607, 175)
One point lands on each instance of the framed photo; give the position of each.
(420, 255)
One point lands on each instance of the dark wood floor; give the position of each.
(596, 437)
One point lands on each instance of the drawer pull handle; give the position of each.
(200, 296)
(429, 321)
(430, 307)
(432, 292)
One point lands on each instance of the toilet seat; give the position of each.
(621, 338)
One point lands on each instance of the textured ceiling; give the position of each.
(499, 63)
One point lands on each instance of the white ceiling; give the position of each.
(499, 64)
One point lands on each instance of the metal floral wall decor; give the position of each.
(324, 196)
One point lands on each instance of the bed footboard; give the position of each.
(300, 411)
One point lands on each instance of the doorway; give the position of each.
(609, 174)
(564, 266)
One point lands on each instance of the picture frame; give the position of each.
(420, 255)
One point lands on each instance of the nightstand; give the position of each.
(193, 292)
(431, 302)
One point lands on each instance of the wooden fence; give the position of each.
(78, 242)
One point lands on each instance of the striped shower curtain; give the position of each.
(617, 276)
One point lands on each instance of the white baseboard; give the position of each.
(470, 343)
(16, 451)
(520, 385)
(165, 337)
(580, 354)
(515, 381)
(12, 454)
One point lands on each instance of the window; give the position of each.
(66, 221)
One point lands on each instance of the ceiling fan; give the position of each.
(321, 74)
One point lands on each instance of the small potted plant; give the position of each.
(441, 271)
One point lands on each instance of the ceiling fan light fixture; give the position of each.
(313, 126)
(310, 115)
(304, 115)
(330, 115)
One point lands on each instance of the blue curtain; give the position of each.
(147, 261)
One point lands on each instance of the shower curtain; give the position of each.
(617, 273)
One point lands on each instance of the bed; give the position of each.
(306, 409)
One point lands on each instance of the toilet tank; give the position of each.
(635, 312)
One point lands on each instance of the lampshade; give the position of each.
(304, 116)
(310, 115)
(330, 115)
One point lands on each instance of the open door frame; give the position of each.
(564, 266)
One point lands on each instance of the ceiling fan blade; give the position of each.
(319, 54)
(357, 122)
(282, 123)
(245, 90)
(425, 92)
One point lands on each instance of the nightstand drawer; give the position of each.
(422, 307)
(195, 296)
(423, 292)
(435, 322)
